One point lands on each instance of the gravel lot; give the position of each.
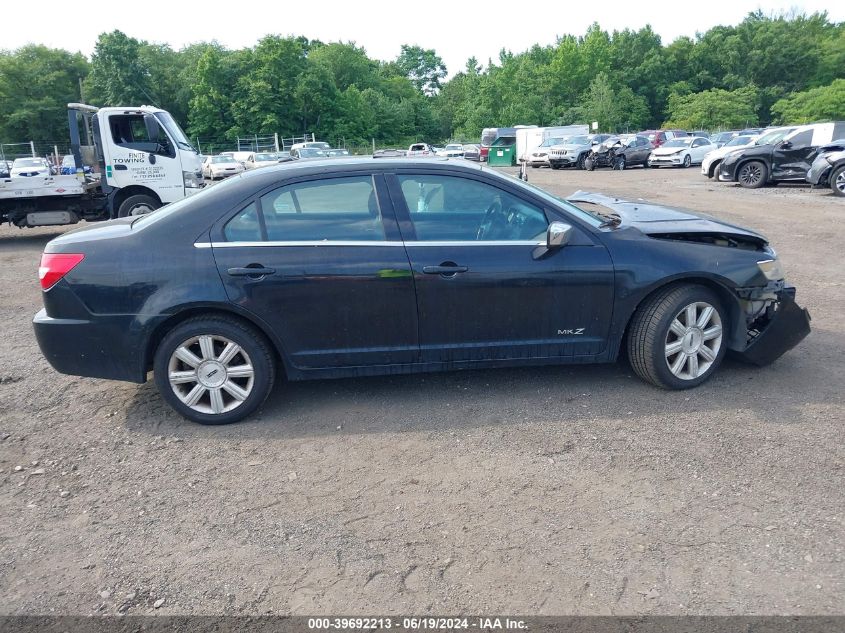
(535, 491)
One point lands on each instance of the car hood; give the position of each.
(835, 146)
(666, 151)
(653, 219)
(830, 156)
(723, 151)
(30, 170)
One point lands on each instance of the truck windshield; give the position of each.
(174, 130)
(489, 135)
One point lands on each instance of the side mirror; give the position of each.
(786, 145)
(558, 234)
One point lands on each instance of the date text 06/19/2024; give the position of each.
(416, 623)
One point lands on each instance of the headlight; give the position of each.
(192, 180)
(771, 268)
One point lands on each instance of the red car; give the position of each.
(656, 137)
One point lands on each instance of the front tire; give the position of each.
(677, 338)
(620, 163)
(214, 370)
(140, 204)
(687, 160)
(589, 164)
(714, 170)
(837, 181)
(581, 160)
(752, 175)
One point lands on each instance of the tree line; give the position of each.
(767, 69)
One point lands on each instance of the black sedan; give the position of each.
(352, 267)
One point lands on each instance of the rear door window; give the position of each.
(332, 209)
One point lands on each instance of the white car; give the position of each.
(453, 150)
(260, 159)
(220, 166)
(681, 152)
(420, 149)
(29, 167)
(710, 164)
(539, 157)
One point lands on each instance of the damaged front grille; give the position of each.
(743, 242)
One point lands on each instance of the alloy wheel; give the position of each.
(211, 374)
(839, 183)
(750, 174)
(693, 341)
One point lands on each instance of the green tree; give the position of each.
(36, 84)
(816, 104)
(713, 109)
(423, 67)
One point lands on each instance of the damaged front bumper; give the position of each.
(782, 327)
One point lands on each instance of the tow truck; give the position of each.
(140, 160)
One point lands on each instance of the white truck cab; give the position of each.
(145, 158)
(140, 160)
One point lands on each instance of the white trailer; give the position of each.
(141, 161)
(529, 139)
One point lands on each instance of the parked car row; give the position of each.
(798, 154)
(232, 163)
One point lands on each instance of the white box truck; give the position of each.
(141, 160)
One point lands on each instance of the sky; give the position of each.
(456, 30)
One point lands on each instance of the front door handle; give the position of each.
(254, 271)
(446, 269)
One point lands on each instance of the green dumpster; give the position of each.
(503, 151)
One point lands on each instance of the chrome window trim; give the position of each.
(369, 243)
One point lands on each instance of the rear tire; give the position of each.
(140, 204)
(214, 370)
(752, 175)
(837, 181)
(677, 339)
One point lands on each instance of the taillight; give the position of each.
(54, 266)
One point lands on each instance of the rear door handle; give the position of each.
(251, 271)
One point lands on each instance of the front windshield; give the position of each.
(222, 159)
(488, 136)
(738, 140)
(29, 162)
(679, 142)
(264, 157)
(174, 130)
(579, 140)
(454, 146)
(310, 152)
(773, 137)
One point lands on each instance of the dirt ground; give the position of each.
(557, 490)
